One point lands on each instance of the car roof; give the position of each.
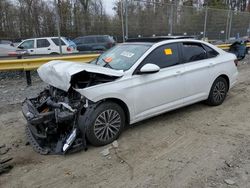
(138, 43)
(157, 39)
(94, 36)
(43, 38)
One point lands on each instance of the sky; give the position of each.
(109, 4)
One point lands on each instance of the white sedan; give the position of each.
(131, 82)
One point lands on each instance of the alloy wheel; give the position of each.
(107, 125)
(219, 92)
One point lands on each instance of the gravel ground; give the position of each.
(196, 146)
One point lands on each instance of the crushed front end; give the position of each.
(57, 116)
(52, 118)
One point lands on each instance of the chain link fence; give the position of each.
(130, 18)
(201, 22)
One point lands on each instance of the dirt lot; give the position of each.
(196, 146)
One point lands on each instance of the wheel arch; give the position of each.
(54, 53)
(122, 104)
(226, 78)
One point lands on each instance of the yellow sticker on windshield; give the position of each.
(168, 51)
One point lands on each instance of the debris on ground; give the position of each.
(4, 149)
(115, 144)
(4, 166)
(228, 164)
(229, 181)
(105, 152)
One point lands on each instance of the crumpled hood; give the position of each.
(58, 73)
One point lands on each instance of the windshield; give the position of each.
(121, 57)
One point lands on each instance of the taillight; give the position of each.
(69, 49)
(236, 62)
(110, 44)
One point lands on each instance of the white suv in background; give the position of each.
(47, 45)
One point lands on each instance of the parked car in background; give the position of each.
(7, 42)
(94, 42)
(47, 45)
(5, 49)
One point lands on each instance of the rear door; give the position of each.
(87, 45)
(101, 43)
(43, 46)
(197, 72)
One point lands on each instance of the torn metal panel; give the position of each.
(53, 121)
(58, 73)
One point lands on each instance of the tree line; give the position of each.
(37, 18)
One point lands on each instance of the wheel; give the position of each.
(54, 53)
(103, 123)
(218, 92)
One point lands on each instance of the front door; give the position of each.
(155, 93)
(28, 45)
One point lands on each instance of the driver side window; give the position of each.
(29, 44)
(164, 56)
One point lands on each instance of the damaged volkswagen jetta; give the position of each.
(92, 103)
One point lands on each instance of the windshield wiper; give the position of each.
(97, 59)
(107, 64)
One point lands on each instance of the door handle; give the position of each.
(211, 64)
(31, 50)
(49, 49)
(178, 73)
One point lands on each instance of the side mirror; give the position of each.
(149, 68)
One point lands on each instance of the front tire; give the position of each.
(104, 124)
(54, 53)
(218, 92)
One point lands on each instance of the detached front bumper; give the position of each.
(51, 129)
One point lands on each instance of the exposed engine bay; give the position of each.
(53, 116)
(53, 121)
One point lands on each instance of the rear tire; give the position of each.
(104, 123)
(54, 53)
(218, 92)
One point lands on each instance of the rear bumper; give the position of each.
(233, 80)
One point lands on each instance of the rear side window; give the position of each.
(56, 41)
(42, 43)
(79, 40)
(101, 39)
(210, 52)
(89, 40)
(193, 52)
(164, 56)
